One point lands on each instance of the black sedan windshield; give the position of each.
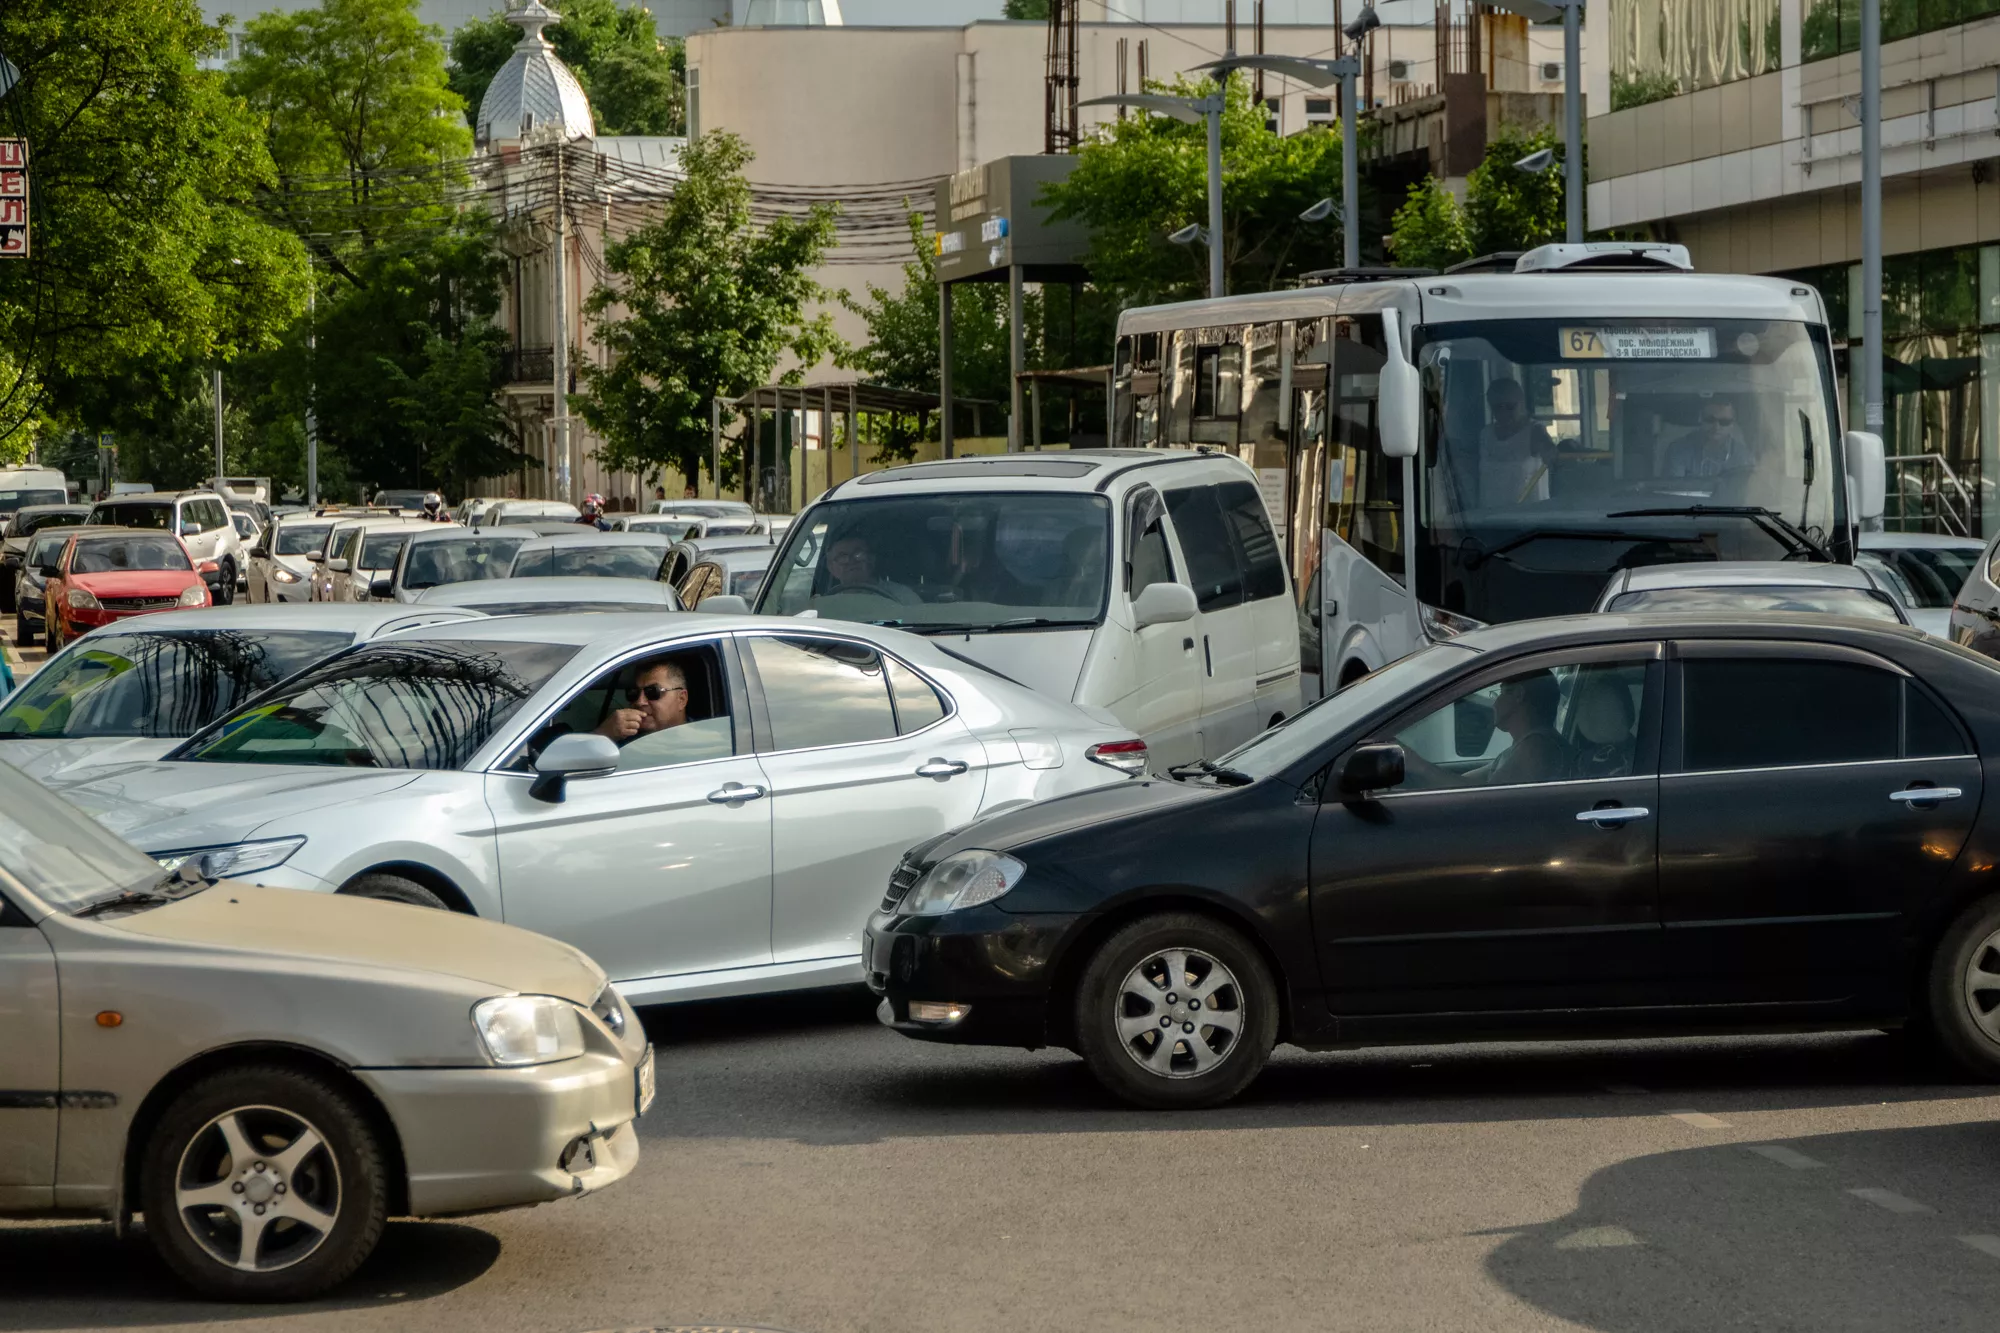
(950, 561)
(168, 684)
(403, 705)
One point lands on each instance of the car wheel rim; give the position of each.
(1179, 1013)
(1982, 986)
(258, 1189)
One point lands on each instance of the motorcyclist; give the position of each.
(593, 512)
(434, 508)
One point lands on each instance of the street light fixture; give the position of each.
(1192, 234)
(1192, 110)
(1571, 13)
(1537, 162)
(1321, 211)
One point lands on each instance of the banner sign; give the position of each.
(13, 198)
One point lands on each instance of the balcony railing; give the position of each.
(531, 365)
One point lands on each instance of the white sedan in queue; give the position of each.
(707, 805)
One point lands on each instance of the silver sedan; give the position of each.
(706, 804)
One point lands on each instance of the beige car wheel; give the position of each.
(264, 1184)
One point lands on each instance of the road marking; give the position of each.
(1889, 1199)
(1598, 1238)
(1983, 1244)
(1784, 1156)
(1624, 1089)
(1699, 1119)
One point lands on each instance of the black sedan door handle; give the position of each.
(1612, 816)
(1923, 798)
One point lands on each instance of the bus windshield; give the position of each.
(1558, 451)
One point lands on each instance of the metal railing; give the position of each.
(1927, 495)
(531, 365)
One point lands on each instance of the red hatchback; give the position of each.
(107, 576)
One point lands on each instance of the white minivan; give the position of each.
(1147, 583)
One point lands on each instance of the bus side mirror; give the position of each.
(1867, 474)
(1399, 394)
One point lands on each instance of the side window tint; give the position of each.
(1554, 724)
(1147, 557)
(672, 708)
(1255, 543)
(1206, 547)
(917, 704)
(822, 692)
(1928, 730)
(1768, 712)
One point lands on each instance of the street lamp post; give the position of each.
(1871, 215)
(1571, 12)
(1191, 110)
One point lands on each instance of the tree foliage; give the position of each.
(635, 79)
(702, 304)
(1505, 208)
(902, 347)
(1144, 177)
(1026, 9)
(144, 173)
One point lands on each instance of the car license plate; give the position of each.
(646, 1081)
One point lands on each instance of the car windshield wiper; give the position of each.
(1500, 552)
(1205, 768)
(1031, 622)
(1773, 523)
(180, 882)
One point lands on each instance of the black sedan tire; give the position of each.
(1176, 1011)
(1964, 990)
(393, 889)
(264, 1184)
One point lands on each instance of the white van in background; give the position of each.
(23, 486)
(1146, 583)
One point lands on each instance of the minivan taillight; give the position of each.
(1128, 757)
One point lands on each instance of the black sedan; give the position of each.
(1603, 826)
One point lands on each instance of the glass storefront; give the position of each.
(1663, 48)
(1940, 381)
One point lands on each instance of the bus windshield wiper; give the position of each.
(1205, 768)
(1773, 523)
(1500, 552)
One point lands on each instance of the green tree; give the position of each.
(1037, 10)
(702, 304)
(902, 347)
(635, 78)
(1146, 176)
(144, 172)
(1430, 230)
(1507, 208)
(360, 118)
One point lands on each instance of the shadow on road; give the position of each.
(79, 1275)
(702, 1022)
(1721, 1237)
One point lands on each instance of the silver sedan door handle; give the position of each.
(1612, 816)
(1915, 796)
(941, 768)
(735, 793)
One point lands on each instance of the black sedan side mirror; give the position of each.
(1372, 768)
(382, 587)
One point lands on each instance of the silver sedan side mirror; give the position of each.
(581, 754)
(725, 603)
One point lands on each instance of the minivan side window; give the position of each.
(1205, 545)
(1254, 541)
(1764, 712)
(1148, 559)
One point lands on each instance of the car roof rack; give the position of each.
(1333, 277)
(1500, 261)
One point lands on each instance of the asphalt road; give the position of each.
(808, 1171)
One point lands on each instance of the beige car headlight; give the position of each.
(528, 1029)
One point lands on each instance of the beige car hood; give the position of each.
(275, 923)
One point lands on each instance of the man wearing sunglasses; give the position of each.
(1713, 447)
(657, 700)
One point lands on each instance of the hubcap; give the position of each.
(258, 1188)
(1179, 1013)
(1982, 986)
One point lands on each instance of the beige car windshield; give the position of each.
(58, 853)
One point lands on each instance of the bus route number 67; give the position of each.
(1583, 343)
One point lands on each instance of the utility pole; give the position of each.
(221, 465)
(566, 481)
(1573, 185)
(1350, 165)
(1871, 215)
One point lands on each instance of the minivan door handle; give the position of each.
(735, 793)
(1923, 798)
(941, 768)
(1612, 816)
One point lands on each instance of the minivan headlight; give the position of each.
(963, 879)
(528, 1029)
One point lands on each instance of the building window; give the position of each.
(1833, 27)
(694, 103)
(1663, 48)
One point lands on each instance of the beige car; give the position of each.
(268, 1075)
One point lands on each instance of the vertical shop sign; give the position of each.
(13, 198)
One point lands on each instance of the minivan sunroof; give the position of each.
(999, 467)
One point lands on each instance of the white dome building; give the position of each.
(534, 96)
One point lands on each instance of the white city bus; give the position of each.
(1482, 446)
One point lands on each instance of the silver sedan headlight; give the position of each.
(963, 879)
(235, 859)
(528, 1029)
